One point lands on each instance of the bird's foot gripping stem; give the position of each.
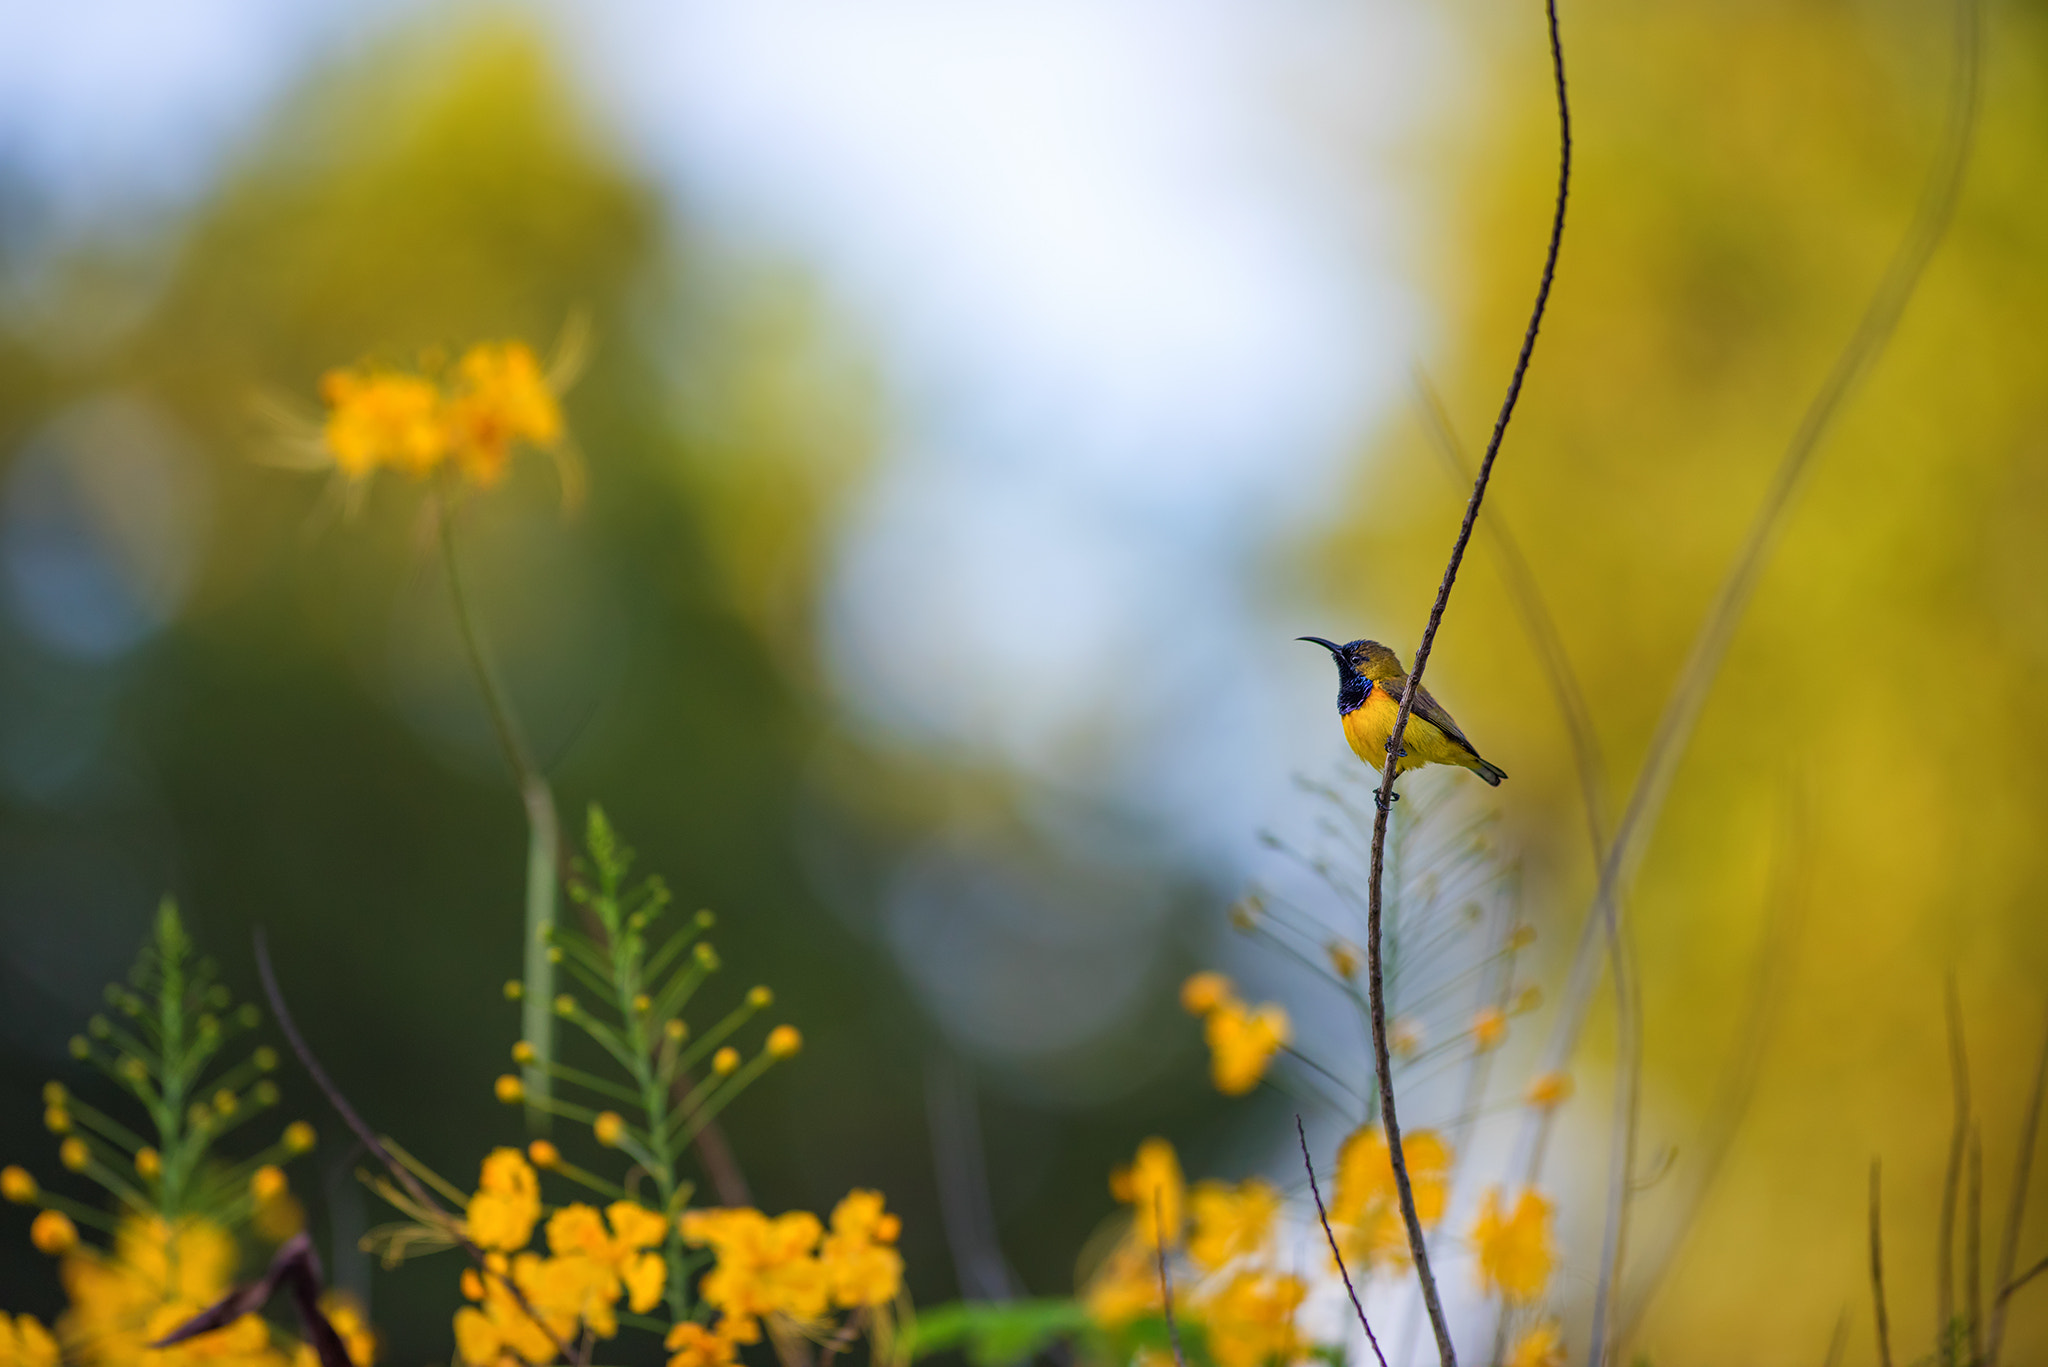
(1383, 805)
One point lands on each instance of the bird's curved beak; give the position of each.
(1330, 646)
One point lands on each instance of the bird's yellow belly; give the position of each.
(1368, 725)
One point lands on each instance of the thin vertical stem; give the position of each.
(1952, 1181)
(2009, 1241)
(1884, 1327)
(1418, 1246)
(1973, 1235)
(543, 839)
(1331, 1234)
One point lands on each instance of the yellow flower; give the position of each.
(1542, 1346)
(500, 1331)
(784, 1041)
(603, 1264)
(382, 417)
(1365, 1206)
(1230, 1222)
(1514, 1249)
(610, 1128)
(860, 1265)
(506, 1205)
(763, 1267)
(299, 1137)
(499, 396)
(1204, 992)
(523, 1052)
(1489, 1028)
(1125, 1286)
(25, 1343)
(148, 1163)
(726, 1061)
(1549, 1089)
(267, 1183)
(1251, 1320)
(1242, 1043)
(543, 1154)
(57, 1120)
(760, 997)
(53, 1233)
(17, 1186)
(1154, 1190)
(155, 1278)
(1344, 958)
(73, 1154)
(692, 1345)
(510, 1089)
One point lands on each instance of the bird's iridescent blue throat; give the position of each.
(1353, 688)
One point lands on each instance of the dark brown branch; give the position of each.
(1418, 1246)
(2009, 1242)
(1335, 1252)
(295, 1268)
(2017, 1282)
(370, 1141)
(1884, 1326)
(1952, 1179)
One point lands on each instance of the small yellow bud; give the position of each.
(1204, 992)
(298, 1137)
(225, 1101)
(57, 1120)
(543, 1154)
(1344, 958)
(267, 1183)
(759, 997)
(676, 1031)
(472, 1284)
(784, 1041)
(54, 1094)
(610, 1128)
(73, 1154)
(510, 1090)
(565, 1005)
(199, 1116)
(134, 1069)
(554, 954)
(706, 956)
(524, 1052)
(264, 1093)
(1521, 937)
(1489, 1028)
(1528, 999)
(514, 989)
(149, 1163)
(265, 1059)
(1404, 1037)
(81, 1047)
(53, 1233)
(643, 1003)
(1246, 911)
(705, 919)
(1549, 1089)
(17, 1186)
(726, 1061)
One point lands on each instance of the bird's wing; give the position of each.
(1432, 711)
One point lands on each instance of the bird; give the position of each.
(1369, 684)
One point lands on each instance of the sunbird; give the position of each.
(1369, 684)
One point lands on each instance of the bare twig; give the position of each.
(2009, 1242)
(1335, 1252)
(1376, 973)
(370, 1141)
(1973, 1235)
(2017, 1282)
(1952, 1180)
(960, 1169)
(1838, 1341)
(1884, 1327)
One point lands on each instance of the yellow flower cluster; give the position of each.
(1365, 1205)
(25, 1343)
(1242, 1039)
(1224, 1233)
(1514, 1247)
(494, 397)
(595, 1260)
(790, 1266)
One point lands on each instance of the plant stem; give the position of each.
(543, 839)
(1376, 977)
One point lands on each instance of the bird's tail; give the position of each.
(1492, 773)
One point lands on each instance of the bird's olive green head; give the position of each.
(1367, 660)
